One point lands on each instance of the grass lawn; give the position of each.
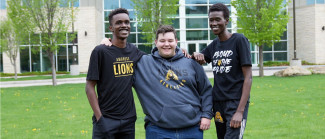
(42, 77)
(291, 107)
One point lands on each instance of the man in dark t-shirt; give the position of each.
(231, 65)
(111, 69)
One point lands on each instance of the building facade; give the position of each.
(193, 33)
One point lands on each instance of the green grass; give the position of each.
(291, 107)
(31, 73)
(42, 77)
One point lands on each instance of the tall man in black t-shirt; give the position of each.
(111, 69)
(231, 64)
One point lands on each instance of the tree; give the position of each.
(262, 22)
(10, 38)
(49, 18)
(152, 13)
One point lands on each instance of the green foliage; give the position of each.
(303, 62)
(10, 38)
(275, 63)
(152, 13)
(7, 34)
(44, 17)
(261, 21)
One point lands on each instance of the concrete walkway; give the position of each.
(268, 71)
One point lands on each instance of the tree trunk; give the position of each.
(15, 69)
(53, 69)
(260, 53)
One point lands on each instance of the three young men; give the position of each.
(231, 64)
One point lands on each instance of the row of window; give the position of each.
(312, 2)
(197, 28)
(34, 59)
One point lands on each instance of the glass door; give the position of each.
(197, 47)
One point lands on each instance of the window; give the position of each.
(196, 2)
(24, 59)
(127, 4)
(280, 46)
(220, 1)
(267, 56)
(145, 48)
(132, 38)
(106, 13)
(280, 56)
(196, 11)
(176, 23)
(73, 54)
(62, 58)
(310, 2)
(65, 3)
(141, 39)
(320, 1)
(133, 26)
(191, 48)
(202, 46)
(197, 35)
(2, 4)
(107, 27)
(34, 58)
(111, 4)
(197, 23)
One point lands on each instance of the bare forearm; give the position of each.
(245, 95)
(92, 98)
(246, 89)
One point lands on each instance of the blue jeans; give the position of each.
(155, 132)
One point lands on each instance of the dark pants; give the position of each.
(107, 128)
(224, 110)
(155, 132)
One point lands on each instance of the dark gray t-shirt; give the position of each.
(113, 68)
(227, 59)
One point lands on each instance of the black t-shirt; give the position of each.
(113, 69)
(227, 59)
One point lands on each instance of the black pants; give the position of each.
(224, 110)
(108, 128)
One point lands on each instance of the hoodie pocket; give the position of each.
(179, 115)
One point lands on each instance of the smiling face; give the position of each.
(217, 22)
(166, 44)
(120, 26)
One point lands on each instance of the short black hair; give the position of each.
(115, 12)
(220, 7)
(164, 29)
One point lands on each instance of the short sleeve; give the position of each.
(139, 54)
(207, 52)
(93, 68)
(243, 48)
